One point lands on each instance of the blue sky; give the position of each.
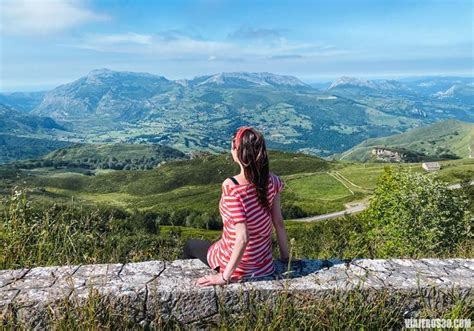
(45, 43)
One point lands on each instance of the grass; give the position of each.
(115, 199)
(363, 175)
(366, 174)
(314, 186)
(188, 184)
(193, 197)
(73, 233)
(317, 186)
(454, 171)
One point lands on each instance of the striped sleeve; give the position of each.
(279, 183)
(235, 209)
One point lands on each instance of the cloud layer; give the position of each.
(179, 45)
(23, 17)
(249, 33)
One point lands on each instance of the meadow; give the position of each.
(313, 186)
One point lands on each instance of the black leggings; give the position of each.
(196, 248)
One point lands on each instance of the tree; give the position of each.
(412, 214)
(164, 218)
(151, 222)
(291, 211)
(467, 187)
(178, 217)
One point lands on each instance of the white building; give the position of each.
(431, 166)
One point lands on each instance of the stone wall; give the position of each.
(147, 290)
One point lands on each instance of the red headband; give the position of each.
(239, 134)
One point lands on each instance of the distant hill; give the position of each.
(248, 79)
(22, 101)
(105, 94)
(24, 135)
(424, 99)
(445, 139)
(429, 86)
(202, 113)
(14, 148)
(132, 96)
(20, 123)
(112, 156)
(381, 85)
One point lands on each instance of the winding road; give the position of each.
(352, 208)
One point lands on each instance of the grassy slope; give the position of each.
(453, 135)
(312, 184)
(189, 184)
(14, 148)
(120, 151)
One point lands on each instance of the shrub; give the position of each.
(413, 214)
(291, 211)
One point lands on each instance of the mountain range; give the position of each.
(201, 113)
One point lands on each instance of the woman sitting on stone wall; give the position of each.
(249, 206)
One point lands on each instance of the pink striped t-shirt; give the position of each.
(239, 203)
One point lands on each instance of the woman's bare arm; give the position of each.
(277, 219)
(241, 240)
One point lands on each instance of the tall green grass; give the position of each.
(71, 234)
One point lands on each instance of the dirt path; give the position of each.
(353, 209)
(340, 181)
(347, 180)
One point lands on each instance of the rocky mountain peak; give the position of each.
(253, 78)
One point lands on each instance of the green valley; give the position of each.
(191, 188)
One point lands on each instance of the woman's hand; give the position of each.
(210, 280)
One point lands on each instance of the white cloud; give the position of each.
(35, 17)
(177, 45)
(248, 33)
(123, 38)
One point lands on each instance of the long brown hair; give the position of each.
(252, 154)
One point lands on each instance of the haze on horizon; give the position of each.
(46, 43)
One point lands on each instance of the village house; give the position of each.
(387, 155)
(431, 166)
